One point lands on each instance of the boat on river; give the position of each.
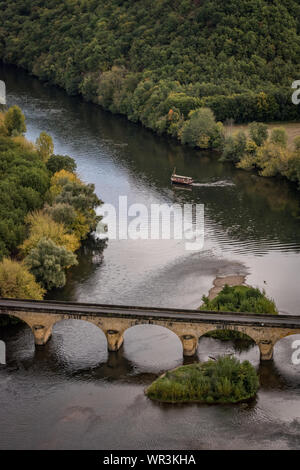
(178, 179)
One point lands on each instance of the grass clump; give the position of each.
(226, 380)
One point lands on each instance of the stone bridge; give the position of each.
(188, 325)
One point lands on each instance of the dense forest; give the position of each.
(157, 60)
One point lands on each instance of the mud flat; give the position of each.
(220, 282)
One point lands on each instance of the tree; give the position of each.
(60, 179)
(41, 225)
(14, 121)
(258, 132)
(48, 262)
(62, 213)
(56, 163)
(202, 130)
(273, 159)
(17, 282)
(234, 147)
(279, 137)
(297, 144)
(83, 198)
(249, 159)
(45, 146)
(74, 221)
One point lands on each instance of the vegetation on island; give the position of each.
(240, 299)
(46, 211)
(225, 380)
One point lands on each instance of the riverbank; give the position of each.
(292, 130)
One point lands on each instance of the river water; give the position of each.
(72, 393)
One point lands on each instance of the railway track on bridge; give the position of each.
(122, 311)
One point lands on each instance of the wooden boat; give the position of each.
(177, 179)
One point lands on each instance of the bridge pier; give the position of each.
(41, 334)
(114, 340)
(266, 350)
(190, 344)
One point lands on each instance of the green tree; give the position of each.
(48, 262)
(258, 132)
(202, 130)
(56, 163)
(297, 144)
(62, 213)
(14, 121)
(83, 198)
(279, 136)
(234, 147)
(17, 282)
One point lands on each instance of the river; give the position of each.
(72, 393)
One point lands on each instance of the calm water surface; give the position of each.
(72, 393)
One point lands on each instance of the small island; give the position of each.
(226, 380)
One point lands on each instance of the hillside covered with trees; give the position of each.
(157, 60)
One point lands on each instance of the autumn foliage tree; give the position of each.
(17, 282)
(45, 146)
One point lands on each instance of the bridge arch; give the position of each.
(81, 341)
(292, 342)
(228, 333)
(21, 318)
(16, 317)
(152, 344)
(223, 341)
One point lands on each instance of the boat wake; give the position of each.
(214, 184)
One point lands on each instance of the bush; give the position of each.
(226, 380)
(240, 299)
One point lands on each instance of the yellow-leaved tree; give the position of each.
(41, 225)
(60, 179)
(44, 145)
(17, 282)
